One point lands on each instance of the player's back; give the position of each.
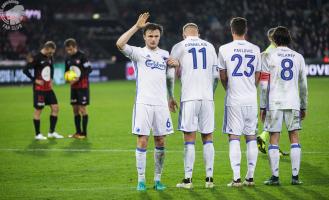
(241, 59)
(286, 67)
(198, 61)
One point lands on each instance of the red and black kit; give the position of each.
(81, 66)
(41, 68)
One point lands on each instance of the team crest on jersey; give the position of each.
(155, 65)
(77, 61)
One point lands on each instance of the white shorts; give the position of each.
(147, 117)
(275, 118)
(197, 115)
(240, 120)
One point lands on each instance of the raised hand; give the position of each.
(141, 22)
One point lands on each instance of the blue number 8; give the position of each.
(287, 69)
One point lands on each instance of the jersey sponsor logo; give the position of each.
(155, 65)
(45, 73)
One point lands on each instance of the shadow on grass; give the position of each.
(268, 195)
(165, 195)
(216, 193)
(38, 148)
(144, 196)
(78, 146)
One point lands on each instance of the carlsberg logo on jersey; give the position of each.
(154, 64)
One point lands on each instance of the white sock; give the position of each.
(235, 158)
(159, 156)
(274, 157)
(141, 163)
(189, 157)
(208, 157)
(252, 154)
(295, 154)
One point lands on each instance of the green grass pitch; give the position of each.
(103, 166)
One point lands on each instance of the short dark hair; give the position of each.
(281, 36)
(238, 25)
(70, 42)
(49, 44)
(152, 27)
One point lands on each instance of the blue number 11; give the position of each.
(204, 58)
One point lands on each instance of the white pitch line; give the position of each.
(122, 150)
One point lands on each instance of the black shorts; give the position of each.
(42, 98)
(80, 97)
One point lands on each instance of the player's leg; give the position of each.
(295, 156)
(250, 122)
(208, 158)
(273, 124)
(233, 126)
(206, 127)
(235, 159)
(83, 100)
(83, 112)
(159, 157)
(52, 101)
(76, 113)
(188, 123)
(161, 126)
(293, 122)
(274, 157)
(252, 155)
(36, 122)
(141, 126)
(140, 153)
(189, 158)
(77, 119)
(38, 104)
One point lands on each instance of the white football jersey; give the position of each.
(151, 73)
(241, 59)
(198, 62)
(288, 83)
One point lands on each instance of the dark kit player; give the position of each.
(78, 62)
(43, 94)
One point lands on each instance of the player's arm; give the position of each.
(222, 69)
(86, 65)
(170, 87)
(124, 38)
(223, 78)
(215, 69)
(29, 65)
(174, 55)
(303, 93)
(263, 90)
(67, 67)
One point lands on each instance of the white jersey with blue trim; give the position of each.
(241, 59)
(288, 83)
(198, 62)
(151, 72)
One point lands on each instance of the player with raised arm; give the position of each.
(78, 62)
(196, 59)
(240, 66)
(43, 94)
(286, 101)
(151, 109)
